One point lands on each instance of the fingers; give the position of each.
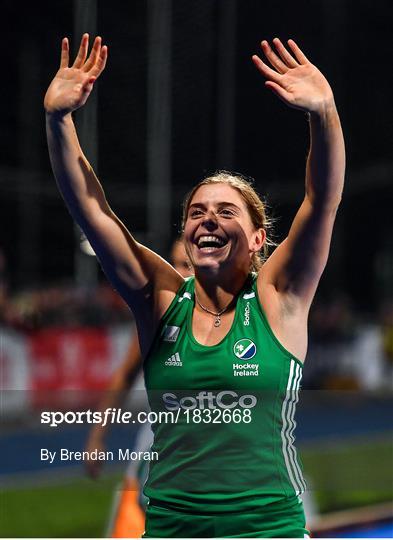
(279, 91)
(82, 53)
(300, 56)
(100, 63)
(266, 70)
(275, 61)
(65, 53)
(95, 63)
(87, 86)
(287, 58)
(283, 61)
(94, 53)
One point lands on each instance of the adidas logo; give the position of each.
(174, 360)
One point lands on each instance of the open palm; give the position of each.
(71, 86)
(293, 78)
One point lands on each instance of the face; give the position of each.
(218, 232)
(179, 259)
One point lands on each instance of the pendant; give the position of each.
(217, 322)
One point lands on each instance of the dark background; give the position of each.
(349, 40)
(218, 116)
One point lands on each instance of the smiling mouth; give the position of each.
(210, 243)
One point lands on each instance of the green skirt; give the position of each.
(284, 519)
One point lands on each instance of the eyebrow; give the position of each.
(220, 204)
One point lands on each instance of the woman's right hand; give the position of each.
(71, 86)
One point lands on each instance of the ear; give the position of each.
(258, 240)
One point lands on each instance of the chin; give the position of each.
(214, 267)
(211, 267)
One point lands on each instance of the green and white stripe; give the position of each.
(288, 427)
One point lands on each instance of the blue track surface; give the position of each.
(384, 530)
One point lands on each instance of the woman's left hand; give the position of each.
(296, 81)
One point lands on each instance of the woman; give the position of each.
(216, 347)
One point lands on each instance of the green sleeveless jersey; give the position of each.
(228, 443)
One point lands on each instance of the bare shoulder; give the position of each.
(151, 301)
(285, 314)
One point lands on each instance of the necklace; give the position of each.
(217, 315)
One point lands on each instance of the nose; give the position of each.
(210, 221)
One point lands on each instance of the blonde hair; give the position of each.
(255, 206)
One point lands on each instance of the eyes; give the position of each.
(225, 212)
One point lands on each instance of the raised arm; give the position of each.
(297, 264)
(145, 280)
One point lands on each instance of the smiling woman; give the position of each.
(231, 450)
(251, 202)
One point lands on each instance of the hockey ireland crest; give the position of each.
(245, 349)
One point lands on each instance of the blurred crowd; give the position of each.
(346, 351)
(64, 306)
(59, 306)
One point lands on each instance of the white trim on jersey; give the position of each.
(288, 426)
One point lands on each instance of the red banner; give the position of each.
(67, 363)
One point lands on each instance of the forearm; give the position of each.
(326, 161)
(113, 398)
(75, 177)
(120, 385)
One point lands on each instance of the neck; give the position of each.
(216, 294)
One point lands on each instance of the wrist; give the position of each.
(58, 123)
(56, 117)
(324, 109)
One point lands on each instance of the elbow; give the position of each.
(325, 202)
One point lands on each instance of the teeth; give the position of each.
(210, 239)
